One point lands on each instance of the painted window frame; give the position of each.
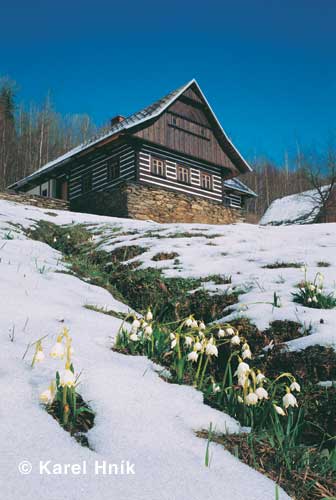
(154, 167)
(206, 175)
(182, 168)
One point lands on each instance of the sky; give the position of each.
(267, 67)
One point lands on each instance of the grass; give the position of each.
(165, 256)
(283, 265)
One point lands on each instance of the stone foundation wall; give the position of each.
(110, 202)
(161, 205)
(35, 200)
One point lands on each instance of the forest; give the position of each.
(31, 135)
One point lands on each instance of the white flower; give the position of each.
(148, 331)
(279, 410)
(240, 399)
(230, 331)
(149, 315)
(46, 397)
(172, 336)
(189, 322)
(243, 380)
(58, 351)
(235, 340)
(221, 333)
(201, 326)
(193, 356)
(314, 299)
(242, 369)
(39, 356)
(68, 236)
(260, 377)
(295, 387)
(251, 399)
(188, 341)
(246, 354)
(55, 239)
(135, 325)
(318, 290)
(197, 346)
(309, 299)
(134, 337)
(289, 400)
(311, 288)
(211, 349)
(173, 344)
(67, 378)
(261, 393)
(216, 388)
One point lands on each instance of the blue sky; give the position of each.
(267, 67)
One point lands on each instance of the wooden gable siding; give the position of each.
(172, 161)
(98, 166)
(192, 134)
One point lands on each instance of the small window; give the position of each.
(87, 182)
(183, 175)
(174, 120)
(44, 192)
(206, 181)
(113, 170)
(158, 167)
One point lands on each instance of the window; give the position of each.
(87, 182)
(206, 181)
(113, 170)
(158, 167)
(183, 174)
(44, 192)
(174, 120)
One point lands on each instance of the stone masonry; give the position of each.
(35, 200)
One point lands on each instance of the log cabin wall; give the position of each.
(172, 161)
(97, 166)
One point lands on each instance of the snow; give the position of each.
(300, 208)
(140, 417)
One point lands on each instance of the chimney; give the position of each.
(117, 119)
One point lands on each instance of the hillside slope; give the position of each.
(140, 417)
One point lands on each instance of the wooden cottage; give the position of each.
(170, 162)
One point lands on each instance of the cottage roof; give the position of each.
(300, 208)
(237, 185)
(134, 120)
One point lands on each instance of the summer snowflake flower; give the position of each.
(46, 397)
(201, 326)
(135, 325)
(235, 340)
(289, 400)
(194, 324)
(188, 341)
(189, 322)
(240, 399)
(279, 410)
(216, 388)
(149, 315)
(242, 369)
(246, 354)
(311, 288)
(260, 377)
(58, 351)
(39, 356)
(148, 331)
(251, 399)
(173, 344)
(295, 387)
(309, 300)
(230, 331)
(172, 336)
(134, 337)
(211, 350)
(314, 299)
(67, 378)
(198, 346)
(261, 393)
(221, 333)
(193, 356)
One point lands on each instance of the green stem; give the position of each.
(203, 372)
